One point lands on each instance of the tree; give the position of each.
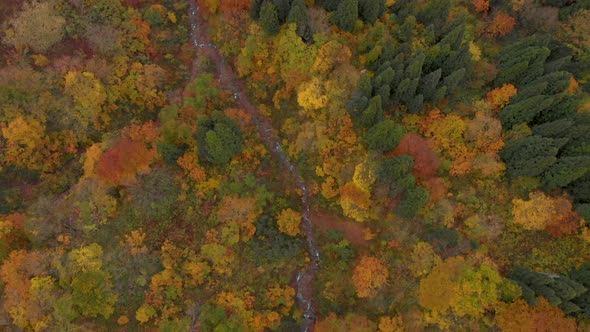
(355, 202)
(123, 161)
(520, 316)
(88, 93)
(37, 26)
(481, 6)
(502, 24)
(289, 222)
(269, 19)
(426, 162)
(298, 15)
(384, 136)
(368, 276)
(565, 171)
(524, 111)
(529, 156)
(460, 286)
(347, 14)
(219, 138)
(413, 200)
(543, 212)
(370, 10)
(500, 97)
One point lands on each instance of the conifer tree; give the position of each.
(269, 19)
(346, 14)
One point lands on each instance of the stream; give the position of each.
(229, 80)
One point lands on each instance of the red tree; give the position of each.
(426, 161)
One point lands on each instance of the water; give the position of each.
(229, 80)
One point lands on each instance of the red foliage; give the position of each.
(426, 161)
(481, 6)
(124, 160)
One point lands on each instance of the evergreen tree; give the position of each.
(373, 114)
(415, 105)
(554, 129)
(384, 136)
(558, 64)
(395, 174)
(370, 10)
(530, 156)
(255, 9)
(298, 15)
(219, 138)
(562, 106)
(524, 111)
(283, 7)
(565, 171)
(453, 80)
(269, 19)
(429, 83)
(347, 14)
(330, 5)
(414, 199)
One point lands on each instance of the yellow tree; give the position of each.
(368, 276)
(289, 222)
(88, 94)
(355, 202)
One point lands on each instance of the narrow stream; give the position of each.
(229, 80)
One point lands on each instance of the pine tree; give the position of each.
(384, 136)
(429, 83)
(453, 80)
(373, 114)
(282, 7)
(557, 128)
(269, 19)
(530, 156)
(565, 171)
(347, 14)
(524, 111)
(255, 9)
(298, 15)
(371, 9)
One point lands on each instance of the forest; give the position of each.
(295, 165)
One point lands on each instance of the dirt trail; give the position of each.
(229, 80)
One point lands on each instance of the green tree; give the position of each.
(530, 156)
(565, 171)
(413, 200)
(384, 136)
(269, 19)
(298, 15)
(347, 14)
(370, 10)
(219, 138)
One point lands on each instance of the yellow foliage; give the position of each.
(40, 60)
(311, 95)
(355, 202)
(475, 51)
(93, 154)
(391, 324)
(534, 213)
(172, 17)
(365, 175)
(280, 298)
(145, 313)
(87, 258)
(423, 259)
(289, 222)
(88, 93)
(123, 320)
(135, 241)
(329, 188)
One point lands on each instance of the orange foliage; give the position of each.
(426, 161)
(190, 163)
(500, 97)
(368, 276)
(543, 317)
(124, 161)
(437, 188)
(481, 6)
(355, 201)
(230, 8)
(502, 24)
(146, 132)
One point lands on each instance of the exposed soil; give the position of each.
(353, 231)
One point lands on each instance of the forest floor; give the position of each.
(353, 231)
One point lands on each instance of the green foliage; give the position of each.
(384, 136)
(219, 138)
(270, 244)
(530, 156)
(413, 200)
(346, 14)
(394, 174)
(269, 19)
(370, 10)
